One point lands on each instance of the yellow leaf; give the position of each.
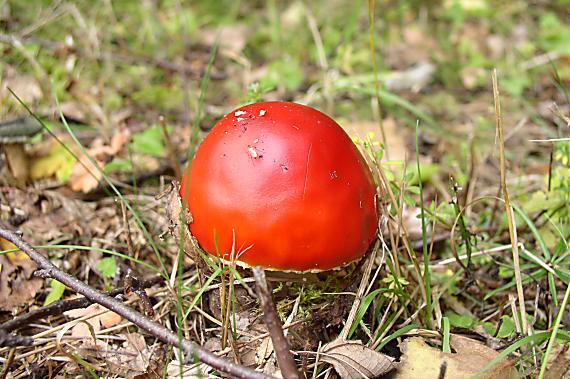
(14, 257)
(58, 162)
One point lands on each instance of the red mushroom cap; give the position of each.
(284, 186)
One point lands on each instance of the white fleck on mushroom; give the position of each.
(252, 152)
(256, 140)
(262, 112)
(240, 119)
(239, 113)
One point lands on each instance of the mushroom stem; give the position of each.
(17, 161)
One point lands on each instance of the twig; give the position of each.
(280, 343)
(191, 350)
(133, 284)
(61, 306)
(510, 213)
(12, 340)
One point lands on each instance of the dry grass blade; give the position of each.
(361, 292)
(509, 208)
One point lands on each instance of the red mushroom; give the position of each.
(283, 186)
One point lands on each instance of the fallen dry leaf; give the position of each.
(105, 320)
(132, 359)
(18, 286)
(351, 359)
(423, 361)
(85, 175)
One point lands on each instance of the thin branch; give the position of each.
(12, 340)
(192, 351)
(280, 343)
(61, 306)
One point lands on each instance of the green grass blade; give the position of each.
(446, 348)
(427, 272)
(554, 333)
(396, 334)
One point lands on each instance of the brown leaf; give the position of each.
(105, 320)
(18, 286)
(351, 359)
(422, 360)
(131, 360)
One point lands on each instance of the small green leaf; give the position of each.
(414, 189)
(119, 165)
(461, 321)
(56, 292)
(150, 142)
(507, 328)
(286, 72)
(107, 267)
(505, 272)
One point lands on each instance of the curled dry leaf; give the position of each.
(105, 319)
(351, 359)
(422, 360)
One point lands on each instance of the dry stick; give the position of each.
(192, 351)
(61, 306)
(12, 340)
(280, 343)
(510, 213)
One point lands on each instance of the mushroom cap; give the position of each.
(282, 186)
(19, 130)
